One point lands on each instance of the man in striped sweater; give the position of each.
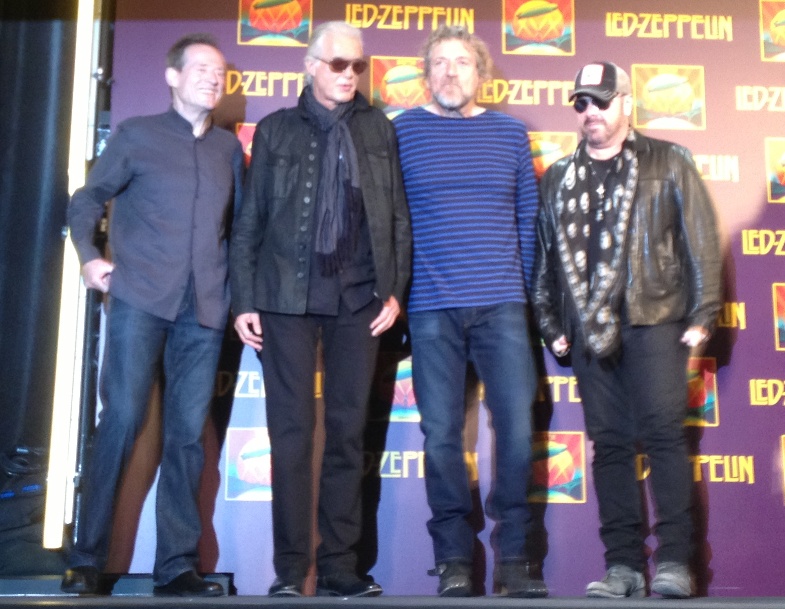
(473, 200)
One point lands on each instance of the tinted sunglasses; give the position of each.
(338, 65)
(581, 103)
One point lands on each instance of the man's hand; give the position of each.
(97, 273)
(560, 346)
(694, 336)
(386, 317)
(249, 329)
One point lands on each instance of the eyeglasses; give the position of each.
(581, 103)
(338, 64)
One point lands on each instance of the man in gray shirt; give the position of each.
(174, 178)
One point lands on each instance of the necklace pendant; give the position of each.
(601, 191)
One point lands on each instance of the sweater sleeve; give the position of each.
(526, 206)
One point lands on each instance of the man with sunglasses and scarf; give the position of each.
(627, 279)
(321, 251)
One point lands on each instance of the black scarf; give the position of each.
(339, 198)
(598, 304)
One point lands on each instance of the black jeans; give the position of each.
(638, 397)
(289, 364)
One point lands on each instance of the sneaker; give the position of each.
(455, 579)
(620, 581)
(519, 580)
(673, 580)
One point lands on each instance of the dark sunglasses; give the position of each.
(581, 103)
(338, 65)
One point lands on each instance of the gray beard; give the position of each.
(449, 106)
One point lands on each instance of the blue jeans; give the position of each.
(496, 340)
(638, 398)
(135, 346)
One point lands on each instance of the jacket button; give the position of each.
(303, 228)
(311, 157)
(306, 200)
(300, 275)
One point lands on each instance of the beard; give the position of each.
(451, 102)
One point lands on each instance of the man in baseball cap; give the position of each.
(595, 271)
(602, 81)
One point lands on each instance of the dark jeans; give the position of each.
(496, 340)
(289, 365)
(135, 344)
(638, 397)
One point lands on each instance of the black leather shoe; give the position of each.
(283, 587)
(345, 585)
(455, 579)
(81, 580)
(519, 579)
(189, 584)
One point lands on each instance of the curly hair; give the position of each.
(458, 32)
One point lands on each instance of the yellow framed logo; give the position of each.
(538, 27)
(772, 30)
(702, 400)
(669, 96)
(775, 169)
(558, 467)
(280, 23)
(778, 296)
(397, 84)
(548, 147)
(248, 465)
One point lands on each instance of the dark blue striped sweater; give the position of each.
(473, 199)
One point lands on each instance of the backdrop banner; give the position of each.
(708, 75)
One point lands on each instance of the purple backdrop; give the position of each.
(711, 81)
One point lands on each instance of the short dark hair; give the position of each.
(458, 32)
(174, 58)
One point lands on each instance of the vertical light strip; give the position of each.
(70, 338)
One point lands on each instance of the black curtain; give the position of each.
(37, 41)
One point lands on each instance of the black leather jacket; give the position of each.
(270, 252)
(673, 260)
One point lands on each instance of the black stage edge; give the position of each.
(385, 602)
(134, 592)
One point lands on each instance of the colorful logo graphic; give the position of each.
(393, 392)
(548, 147)
(404, 406)
(778, 290)
(397, 84)
(772, 30)
(538, 27)
(558, 468)
(669, 97)
(782, 465)
(248, 464)
(702, 405)
(775, 167)
(245, 133)
(280, 23)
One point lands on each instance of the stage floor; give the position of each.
(385, 602)
(134, 592)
